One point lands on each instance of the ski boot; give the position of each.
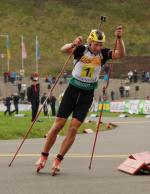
(56, 165)
(41, 162)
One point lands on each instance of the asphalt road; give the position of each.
(112, 148)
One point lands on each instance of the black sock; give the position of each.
(60, 157)
(45, 154)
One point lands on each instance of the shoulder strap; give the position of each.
(86, 49)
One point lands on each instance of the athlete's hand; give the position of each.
(78, 41)
(119, 31)
(70, 47)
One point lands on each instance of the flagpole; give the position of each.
(22, 59)
(8, 53)
(36, 53)
(7, 50)
(2, 58)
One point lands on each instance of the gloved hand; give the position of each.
(77, 42)
(119, 31)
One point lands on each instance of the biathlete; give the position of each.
(78, 97)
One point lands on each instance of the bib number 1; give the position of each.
(87, 71)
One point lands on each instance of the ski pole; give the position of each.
(51, 90)
(101, 112)
(102, 20)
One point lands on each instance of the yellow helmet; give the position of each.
(97, 36)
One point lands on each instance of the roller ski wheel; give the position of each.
(41, 163)
(55, 166)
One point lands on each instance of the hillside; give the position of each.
(59, 21)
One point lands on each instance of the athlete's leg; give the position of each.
(66, 144)
(50, 140)
(53, 132)
(70, 137)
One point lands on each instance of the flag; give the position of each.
(23, 49)
(8, 47)
(37, 47)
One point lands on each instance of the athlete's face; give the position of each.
(96, 47)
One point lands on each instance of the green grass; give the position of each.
(16, 127)
(59, 21)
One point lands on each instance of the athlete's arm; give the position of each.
(120, 47)
(68, 48)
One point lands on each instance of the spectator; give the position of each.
(33, 95)
(104, 93)
(23, 91)
(15, 99)
(7, 103)
(53, 80)
(105, 77)
(5, 77)
(8, 74)
(127, 91)
(147, 76)
(52, 102)
(45, 108)
(112, 94)
(121, 89)
(135, 76)
(104, 90)
(106, 72)
(143, 76)
(19, 77)
(130, 76)
(50, 79)
(13, 77)
(21, 73)
(19, 87)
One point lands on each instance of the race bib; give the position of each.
(87, 71)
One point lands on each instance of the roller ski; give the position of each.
(55, 166)
(41, 163)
